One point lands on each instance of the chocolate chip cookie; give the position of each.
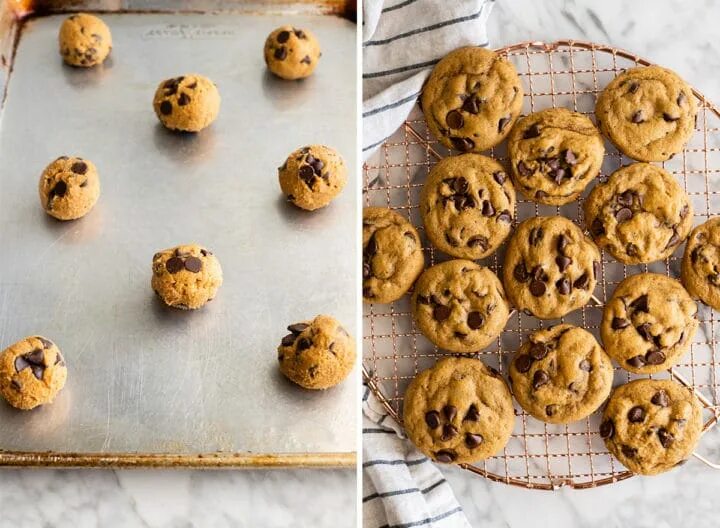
(651, 425)
(472, 99)
(458, 411)
(84, 40)
(69, 187)
(392, 255)
(291, 53)
(648, 323)
(554, 155)
(187, 103)
(186, 277)
(640, 215)
(32, 372)
(701, 263)
(467, 206)
(561, 374)
(317, 354)
(312, 176)
(647, 112)
(551, 267)
(459, 305)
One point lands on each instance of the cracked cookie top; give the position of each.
(701, 263)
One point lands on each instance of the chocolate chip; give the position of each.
(15, 384)
(570, 157)
(633, 87)
(660, 398)
(21, 363)
(288, 340)
(471, 105)
(193, 264)
(636, 414)
(432, 419)
(58, 190)
(502, 123)
(454, 119)
(166, 108)
(46, 342)
(298, 328)
(303, 344)
(623, 215)
(540, 378)
(174, 265)
(585, 365)
(473, 440)
(79, 167)
(478, 241)
(523, 169)
(636, 361)
(625, 198)
(640, 304)
(644, 331)
(520, 273)
(462, 144)
(487, 209)
(280, 53)
(628, 451)
(637, 117)
(607, 429)
(597, 228)
(440, 313)
(299, 33)
(551, 409)
(306, 60)
(631, 249)
(561, 244)
(674, 239)
(666, 438)
(563, 286)
(449, 411)
(499, 177)
(523, 363)
(183, 100)
(283, 37)
(307, 175)
(538, 351)
(619, 323)
(655, 357)
(532, 132)
(504, 216)
(582, 282)
(445, 456)
(449, 431)
(537, 288)
(475, 320)
(536, 235)
(669, 118)
(472, 415)
(563, 262)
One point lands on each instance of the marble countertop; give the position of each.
(683, 37)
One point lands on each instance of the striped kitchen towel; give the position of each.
(402, 41)
(402, 487)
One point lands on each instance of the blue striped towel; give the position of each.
(402, 488)
(402, 41)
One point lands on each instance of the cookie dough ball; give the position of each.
(551, 267)
(648, 323)
(84, 40)
(312, 176)
(651, 426)
(701, 263)
(317, 354)
(69, 188)
(291, 53)
(392, 255)
(472, 99)
(554, 155)
(32, 372)
(459, 305)
(640, 215)
(459, 411)
(561, 374)
(187, 103)
(186, 277)
(647, 112)
(467, 204)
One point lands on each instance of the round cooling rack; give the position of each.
(541, 456)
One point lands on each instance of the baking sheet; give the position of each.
(144, 378)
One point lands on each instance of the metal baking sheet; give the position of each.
(143, 378)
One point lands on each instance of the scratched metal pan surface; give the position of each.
(143, 378)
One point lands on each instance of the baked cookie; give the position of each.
(651, 425)
(32, 372)
(187, 103)
(467, 206)
(551, 267)
(561, 374)
(392, 255)
(84, 40)
(640, 215)
(647, 112)
(291, 53)
(458, 411)
(472, 99)
(701, 263)
(69, 188)
(648, 323)
(317, 354)
(312, 176)
(186, 277)
(554, 155)
(459, 305)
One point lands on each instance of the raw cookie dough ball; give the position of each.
(32, 372)
(458, 411)
(648, 323)
(701, 263)
(291, 53)
(561, 374)
(651, 425)
(84, 40)
(317, 354)
(554, 155)
(312, 176)
(69, 188)
(186, 277)
(472, 99)
(392, 255)
(647, 112)
(187, 103)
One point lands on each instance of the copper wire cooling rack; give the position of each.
(540, 456)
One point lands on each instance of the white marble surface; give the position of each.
(682, 36)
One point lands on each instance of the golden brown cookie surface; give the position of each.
(69, 188)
